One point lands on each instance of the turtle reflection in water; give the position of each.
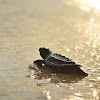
(58, 64)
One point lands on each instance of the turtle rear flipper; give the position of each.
(68, 69)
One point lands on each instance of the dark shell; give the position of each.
(57, 60)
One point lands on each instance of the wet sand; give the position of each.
(71, 28)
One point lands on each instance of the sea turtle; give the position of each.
(57, 62)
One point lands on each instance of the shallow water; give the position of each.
(71, 28)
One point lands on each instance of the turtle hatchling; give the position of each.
(57, 62)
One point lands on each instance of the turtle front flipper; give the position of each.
(39, 63)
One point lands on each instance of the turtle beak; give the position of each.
(40, 49)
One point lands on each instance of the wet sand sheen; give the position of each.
(26, 26)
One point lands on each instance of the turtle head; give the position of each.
(44, 52)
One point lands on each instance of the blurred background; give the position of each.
(68, 27)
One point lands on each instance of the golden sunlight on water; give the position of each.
(67, 27)
(88, 5)
(92, 3)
